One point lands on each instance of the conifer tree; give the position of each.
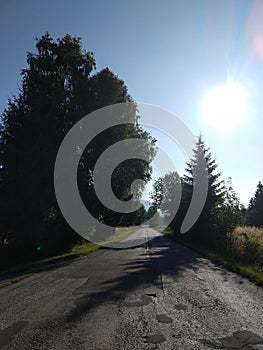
(202, 164)
(255, 210)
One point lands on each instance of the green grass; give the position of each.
(14, 281)
(76, 251)
(120, 234)
(167, 231)
(253, 272)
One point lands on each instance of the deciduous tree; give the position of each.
(58, 88)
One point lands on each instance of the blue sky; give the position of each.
(169, 53)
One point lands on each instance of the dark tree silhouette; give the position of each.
(204, 228)
(255, 209)
(58, 89)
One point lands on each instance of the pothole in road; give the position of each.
(6, 335)
(155, 338)
(145, 300)
(163, 318)
(180, 307)
(154, 295)
(242, 340)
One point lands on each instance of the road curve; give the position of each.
(161, 296)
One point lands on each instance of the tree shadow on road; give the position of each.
(161, 258)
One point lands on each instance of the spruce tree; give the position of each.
(202, 164)
(255, 209)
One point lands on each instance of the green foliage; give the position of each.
(33, 126)
(166, 192)
(58, 89)
(153, 216)
(255, 209)
(203, 167)
(226, 216)
(221, 212)
(136, 217)
(166, 195)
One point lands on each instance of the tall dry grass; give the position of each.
(245, 244)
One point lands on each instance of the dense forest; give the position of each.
(59, 87)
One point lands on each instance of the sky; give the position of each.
(171, 54)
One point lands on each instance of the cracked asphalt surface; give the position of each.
(161, 296)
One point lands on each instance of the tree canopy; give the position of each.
(59, 87)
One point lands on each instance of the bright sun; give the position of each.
(226, 106)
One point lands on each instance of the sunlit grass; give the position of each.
(164, 230)
(254, 234)
(246, 244)
(244, 253)
(120, 234)
(76, 251)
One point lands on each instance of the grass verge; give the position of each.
(253, 272)
(76, 251)
(120, 234)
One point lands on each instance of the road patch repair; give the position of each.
(241, 340)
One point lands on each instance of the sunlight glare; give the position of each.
(226, 106)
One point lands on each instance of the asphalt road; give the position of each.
(160, 297)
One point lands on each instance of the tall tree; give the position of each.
(228, 215)
(255, 209)
(58, 89)
(204, 228)
(166, 194)
(232, 206)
